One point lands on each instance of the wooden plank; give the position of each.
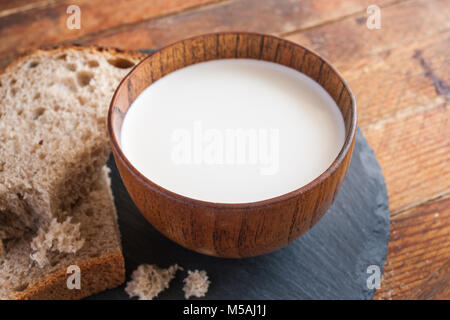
(414, 153)
(8, 7)
(270, 16)
(419, 245)
(436, 287)
(396, 83)
(349, 44)
(406, 119)
(103, 24)
(46, 25)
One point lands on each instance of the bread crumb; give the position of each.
(148, 281)
(196, 284)
(63, 237)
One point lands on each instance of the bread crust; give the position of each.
(92, 48)
(97, 274)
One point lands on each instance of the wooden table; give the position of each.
(400, 75)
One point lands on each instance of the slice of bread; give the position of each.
(53, 137)
(100, 258)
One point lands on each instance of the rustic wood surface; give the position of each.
(399, 74)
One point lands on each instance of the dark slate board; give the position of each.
(329, 262)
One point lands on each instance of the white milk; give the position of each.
(233, 131)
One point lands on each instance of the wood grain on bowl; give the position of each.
(233, 230)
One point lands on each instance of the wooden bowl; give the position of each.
(243, 229)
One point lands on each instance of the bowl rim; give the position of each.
(242, 205)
